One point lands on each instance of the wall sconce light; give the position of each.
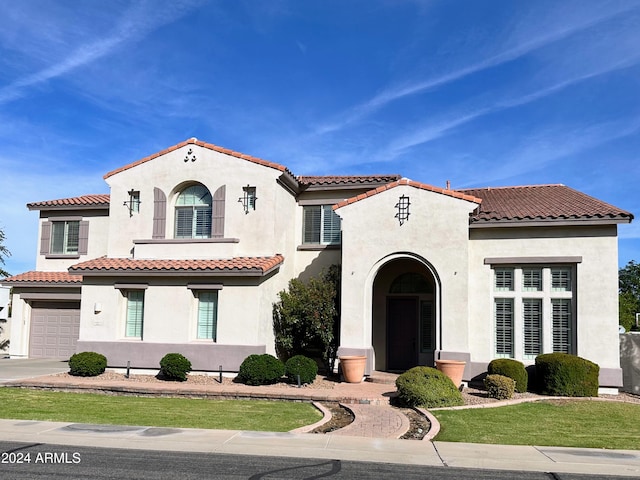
(403, 209)
(134, 202)
(248, 198)
(97, 307)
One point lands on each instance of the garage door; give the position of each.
(54, 330)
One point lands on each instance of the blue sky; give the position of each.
(481, 93)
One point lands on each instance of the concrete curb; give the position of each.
(326, 417)
(434, 424)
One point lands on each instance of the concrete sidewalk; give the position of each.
(500, 457)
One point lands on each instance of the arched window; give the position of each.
(193, 213)
(410, 283)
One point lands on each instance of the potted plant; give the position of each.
(454, 369)
(353, 367)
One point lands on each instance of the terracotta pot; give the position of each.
(454, 369)
(353, 367)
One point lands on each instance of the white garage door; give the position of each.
(54, 330)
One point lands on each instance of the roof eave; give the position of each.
(239, 272)
(555, 222)
(101, 206)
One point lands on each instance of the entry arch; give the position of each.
(404, 292)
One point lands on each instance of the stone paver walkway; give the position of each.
(375, 421)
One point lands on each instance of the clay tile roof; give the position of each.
(210, 146)
(541, 202)
(406, 181)
(41, 278)
(83, 201)
(346, 179)
(256, 266)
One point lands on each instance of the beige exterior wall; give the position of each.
(97, 245)
(436, 234)
(260, 232)
(596, 284)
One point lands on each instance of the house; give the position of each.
(190, 248)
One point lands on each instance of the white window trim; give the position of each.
(546, 295)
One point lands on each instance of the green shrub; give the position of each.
(566, 375)
(499, 386)
(306, 367)
(87, 364)
(510, 368)
(260, 370)
(174, 366)
(427, 387)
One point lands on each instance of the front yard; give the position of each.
(563, 423)
(272, 416)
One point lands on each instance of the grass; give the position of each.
(273, 416)
(565, 423)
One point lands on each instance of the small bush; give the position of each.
(260, 370)
(306, 367)
(510, 368)
(499, 386)
(87, 364)
(427, 387)
(174, 366)
(566, 375)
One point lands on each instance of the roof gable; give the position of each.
(411, 183)
(210, 146)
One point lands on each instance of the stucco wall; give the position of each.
(435, 233)
(97, 244)
(259, 231)
(596, 284)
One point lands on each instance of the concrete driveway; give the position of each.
(22, 368)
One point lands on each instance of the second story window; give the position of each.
(193, 213)
(65, 237)
(321, 225)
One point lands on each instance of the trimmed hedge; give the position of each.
(260, 370)
(87, 364)
(566, 375)
(510, 368)
(427, 387)
(499, 386)
(306, 367)
(174, 366)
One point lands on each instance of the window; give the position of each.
(561, 325)
(504, 326)
(65, 237)
(503, 279)
(532, 279)
(193, 213)
(207, 315)
(427, 343)
(561, 279)
(532, 316)
(135, 313)
(321, 225)
(533, 310)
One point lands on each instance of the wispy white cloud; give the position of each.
(544, 37)
(134, 24)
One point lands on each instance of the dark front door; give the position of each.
(402, 333)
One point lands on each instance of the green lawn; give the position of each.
(566, 423)
(24, 404)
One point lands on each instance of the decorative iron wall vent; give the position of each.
(403, 209)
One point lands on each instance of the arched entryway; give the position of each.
(404, 313)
